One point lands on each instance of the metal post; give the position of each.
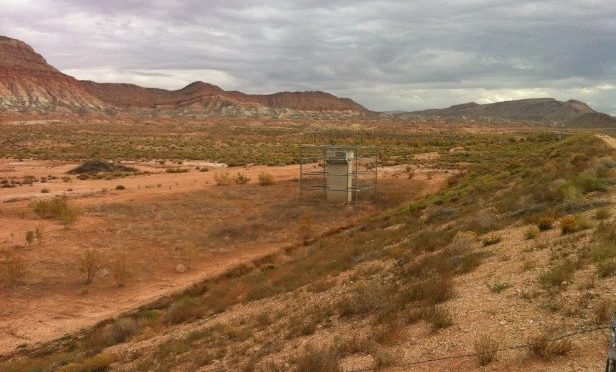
(610, 365)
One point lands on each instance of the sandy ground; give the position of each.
(53, 303)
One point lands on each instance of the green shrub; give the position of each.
(602, 214)
(498, 287)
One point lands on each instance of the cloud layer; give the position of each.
(387, 55)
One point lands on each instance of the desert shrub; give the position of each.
(118, 331)
(317, 358)
(491, 240)
(604, 311)
(571, 224)
(498, 287)
(602, 251)
(434, 290)
(588, 183)
(12, 271)
(97, 363)
(545, 223)
(30, 236)
(531, 233)
(222, 178)
(88, 265)
(383, 357)
(602, 214)
(606, 268)
(45, 191)
(541, 346)
(486, 348)
(120, 187)
(185, 309)
(558, 275)
(265, 179)
(241, 178)
(439, 317)
(57, 208)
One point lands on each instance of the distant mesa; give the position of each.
(28, 84)
(571, 113)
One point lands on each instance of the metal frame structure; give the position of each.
(313, 172)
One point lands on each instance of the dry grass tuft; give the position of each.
(486, 347)
(544, 348)
(604, 311)
(57, 208)
(317, 358)
(88, 265)
(241, 178)
(185, 309)
(265, 179)
(121, 270)
(222, 178)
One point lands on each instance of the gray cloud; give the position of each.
(384, 54)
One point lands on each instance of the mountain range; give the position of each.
(29, 86)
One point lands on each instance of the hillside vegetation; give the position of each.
(535, 209)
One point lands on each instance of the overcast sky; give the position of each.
(386, 55)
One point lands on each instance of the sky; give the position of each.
(387, 55)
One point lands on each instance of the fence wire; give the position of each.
(469, 355)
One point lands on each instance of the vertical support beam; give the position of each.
(610, 365)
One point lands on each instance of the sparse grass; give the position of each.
(558, 275)
(486, 348)
(606, 268)
(57, 208)
(498, 287)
